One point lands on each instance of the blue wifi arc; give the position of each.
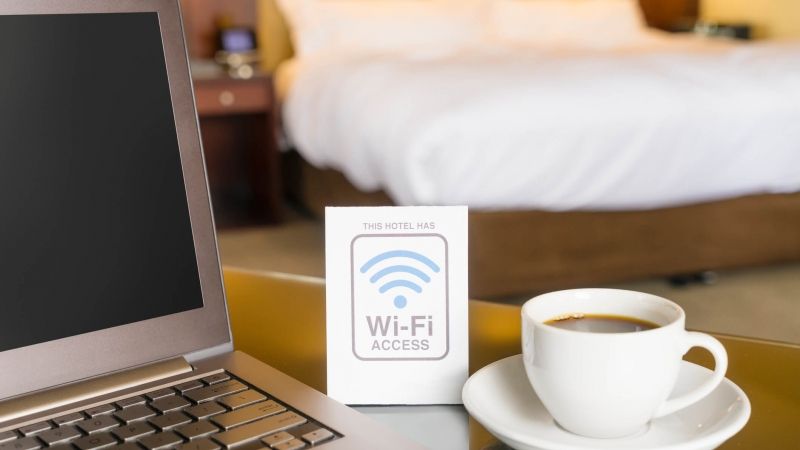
(400, 300)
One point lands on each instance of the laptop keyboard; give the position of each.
(214, 413)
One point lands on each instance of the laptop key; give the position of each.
(259, 429)
(127, 446)
(188, 386)
(95, 441)
(8, 436)
(170, 420)
(170, 403)
(277, 438)
(317, 436)
(26, 443)
(218, 378)
(30, 430)
(64, 447)
(236, 401)
(100, 410)
(215, 390)
(161, 393)
(160, 440)
(60, 435)
(199, 429)
(134, 413)
(205, 410)
(200, 444)
(68, 419)
(99, 423)
(133, 431)
(248, 414)
(128, 402)
(294, 444)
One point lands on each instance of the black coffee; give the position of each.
(597, 323)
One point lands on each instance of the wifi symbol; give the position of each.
(400, 301)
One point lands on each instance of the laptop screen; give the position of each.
(94, 229)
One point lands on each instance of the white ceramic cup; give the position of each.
(606, 385)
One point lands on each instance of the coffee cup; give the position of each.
(607, 380)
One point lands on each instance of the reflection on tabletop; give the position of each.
(766, 371)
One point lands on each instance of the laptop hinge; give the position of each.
(57, 397)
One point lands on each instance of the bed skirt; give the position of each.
(525, 252)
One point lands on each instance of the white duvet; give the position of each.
(676, 122)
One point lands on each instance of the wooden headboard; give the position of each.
(276, 46)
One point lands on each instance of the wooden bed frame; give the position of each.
(525, 252)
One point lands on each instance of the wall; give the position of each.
(273, 37)
(771, 18)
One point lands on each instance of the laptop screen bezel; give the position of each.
(66, 360)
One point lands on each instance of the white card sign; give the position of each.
(396, 304)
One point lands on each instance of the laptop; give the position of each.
(114, 327)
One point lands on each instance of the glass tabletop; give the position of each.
(769, 372)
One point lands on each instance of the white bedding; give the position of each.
(673, 122)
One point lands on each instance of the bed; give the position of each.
(586, 154)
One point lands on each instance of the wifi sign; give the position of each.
(411, 278)
(399, 296)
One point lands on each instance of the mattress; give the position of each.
(675, 122)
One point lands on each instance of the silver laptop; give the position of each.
(114, 327)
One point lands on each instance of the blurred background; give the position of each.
(649, 145)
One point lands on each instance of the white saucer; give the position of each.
(501, 399)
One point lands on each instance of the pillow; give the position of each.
(381, 25)
(601, 24)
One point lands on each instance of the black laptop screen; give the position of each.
(94, 222)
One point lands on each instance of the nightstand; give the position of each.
(237, 123)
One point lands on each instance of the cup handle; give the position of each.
(694, 339)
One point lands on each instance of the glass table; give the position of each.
(280, 319)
